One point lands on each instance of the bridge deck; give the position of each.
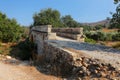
(103, 53)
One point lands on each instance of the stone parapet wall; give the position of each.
(68, 30)
(72, 33)
(43, 28)
(77, 37)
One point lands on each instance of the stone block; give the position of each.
(71, 36)
(69, 30)
(43, 28)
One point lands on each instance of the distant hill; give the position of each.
(103, 22)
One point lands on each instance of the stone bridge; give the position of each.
(66, 53)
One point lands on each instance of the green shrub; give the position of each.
(102, 36)
(88, 40)
(0, 44)
(99, 36)
(116, 37)
(10, 30)
(1, 51)
(108, 37)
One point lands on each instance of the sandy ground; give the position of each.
(22, 72)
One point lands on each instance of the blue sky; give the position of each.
(80, 10)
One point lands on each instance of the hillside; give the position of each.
(102, 22)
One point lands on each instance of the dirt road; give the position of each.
(22, 72)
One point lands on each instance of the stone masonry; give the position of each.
(63, 58)
(41, 33)
(65, 61)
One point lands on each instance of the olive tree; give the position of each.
(46, 17)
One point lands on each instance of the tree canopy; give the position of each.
(116, 1)
(68, 21)
(10, 30)
(115, 21)
(47, 16)
(53, 17)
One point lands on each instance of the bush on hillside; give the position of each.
(108, 36)
(95, 35)
(116, 37)
(102, 36)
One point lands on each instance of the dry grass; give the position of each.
(114, 44)
(109, 30)
(5, 48)
(117, 45)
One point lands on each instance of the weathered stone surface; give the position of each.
(43, 28)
